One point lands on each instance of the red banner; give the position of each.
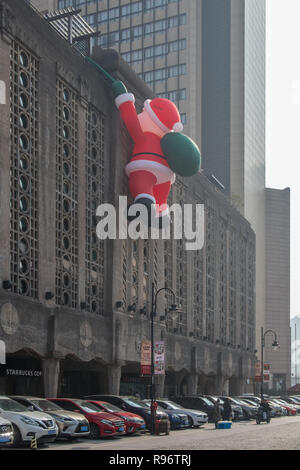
(146, 357)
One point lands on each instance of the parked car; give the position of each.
(6, 432)
(237, 409)
(249, 409)
(27, 424)
(237, 412)
(70, 424)
(196, 403)
(276, 410)
(177, 419)
(251, 402)
(252, 398)
(195, 418)
(131, 404)
(297, 398)
(133, 422)
(293, 402)
(102, 424)
(291, 410)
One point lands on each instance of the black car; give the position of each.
(196, 403)
(131, 404)
(237, 411)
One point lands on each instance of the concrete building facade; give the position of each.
(208, 56)
(73, 309)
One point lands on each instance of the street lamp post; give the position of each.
(153, 313)
(275, 346)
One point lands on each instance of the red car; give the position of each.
(133, 422)
(291, 411)
(102, 424)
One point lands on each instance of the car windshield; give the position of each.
(135, 403)
(88, 407)
(249, 402)
(148, 403)
(243, 402)
(173, 405)
(233, 400)
(207, 401)
(297, 399)
(214, 400)
(6, 404)
(108, 407)
(46, 405)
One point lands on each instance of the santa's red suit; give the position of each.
(150, 176)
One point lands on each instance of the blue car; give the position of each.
(177, 419)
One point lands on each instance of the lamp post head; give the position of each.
(275, 345)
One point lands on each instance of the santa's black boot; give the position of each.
(150, 206)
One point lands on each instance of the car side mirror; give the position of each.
(123, 406)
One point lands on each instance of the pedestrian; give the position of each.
(216, 413)
(227, 411)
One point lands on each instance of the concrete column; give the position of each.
(114, 378)
(159, 385)
(51, 369)
(192, 384)
(220, 385)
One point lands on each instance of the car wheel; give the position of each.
(17, 436)
(94, 431)
(191, 422)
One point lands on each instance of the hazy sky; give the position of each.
(283, 118)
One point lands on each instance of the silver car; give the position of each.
(70, 424)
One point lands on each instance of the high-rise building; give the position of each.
(295, 350)
(278, 287)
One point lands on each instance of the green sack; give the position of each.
(182, 154)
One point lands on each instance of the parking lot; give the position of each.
(280, 434)
(112, 422)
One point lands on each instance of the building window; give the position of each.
(95, 192)
(163, 74)
(174, 95)
(66, 196)
(24, 171)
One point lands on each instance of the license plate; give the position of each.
(52, 431)
(84, 428)
(4, 439)
(121, 429)
(143, 426)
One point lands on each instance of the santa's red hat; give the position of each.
(164, 114)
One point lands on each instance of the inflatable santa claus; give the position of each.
(160, 150)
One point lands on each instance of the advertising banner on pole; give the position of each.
(257, 372)
(267, 368)
(159, 358)
(146, 357)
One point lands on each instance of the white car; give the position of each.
(27, 424)
(196, 418)
(6, 432)
(70, 424)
